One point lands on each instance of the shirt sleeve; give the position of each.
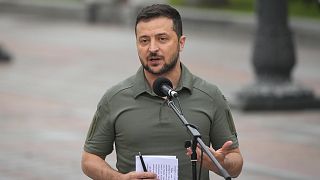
(100, 137)
(223, 128)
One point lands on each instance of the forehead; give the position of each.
(154, 26)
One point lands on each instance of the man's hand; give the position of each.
(230, 158)
(97, 168)
(139, 175)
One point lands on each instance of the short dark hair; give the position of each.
(161, 10)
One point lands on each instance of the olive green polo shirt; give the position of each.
(136, 120)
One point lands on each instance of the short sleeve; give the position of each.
(223, 128)
(100, 137)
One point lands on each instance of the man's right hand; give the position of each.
(139, 175)
(96, 167)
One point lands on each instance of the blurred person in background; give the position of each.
(4, 55)
(131, 116)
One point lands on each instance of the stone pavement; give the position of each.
(49, 92)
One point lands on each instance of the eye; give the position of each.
(143, 40)
(163, 39)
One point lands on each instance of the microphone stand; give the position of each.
(196, 136)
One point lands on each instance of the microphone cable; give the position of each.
(201, 161)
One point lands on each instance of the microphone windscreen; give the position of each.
(158, 84)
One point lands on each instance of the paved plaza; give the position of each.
(60, 70)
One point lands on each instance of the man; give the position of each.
(4, 55)
(135, 119)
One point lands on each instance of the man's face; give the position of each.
(158, 45)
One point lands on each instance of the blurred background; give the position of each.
(58, 57)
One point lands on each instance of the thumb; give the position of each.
(226, 146)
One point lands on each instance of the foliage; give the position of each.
(298, 8)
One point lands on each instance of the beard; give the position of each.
(166, 67)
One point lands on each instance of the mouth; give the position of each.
(154, 58)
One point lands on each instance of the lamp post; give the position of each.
(273, 61)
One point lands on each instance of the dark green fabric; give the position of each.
(136, 120)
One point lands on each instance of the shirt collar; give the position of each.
(141, 85)
(186, 79)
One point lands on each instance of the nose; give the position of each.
(153, 47)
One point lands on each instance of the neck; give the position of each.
(173, 76)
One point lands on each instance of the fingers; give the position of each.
(146, 175)
(141, 175)
(189, 151)
(220, 153)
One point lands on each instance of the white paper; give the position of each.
(166, 167)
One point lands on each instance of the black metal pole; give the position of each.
(194, 159)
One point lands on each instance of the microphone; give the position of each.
(163, 87)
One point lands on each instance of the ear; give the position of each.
(182, 41)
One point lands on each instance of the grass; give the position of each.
(298, 8)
